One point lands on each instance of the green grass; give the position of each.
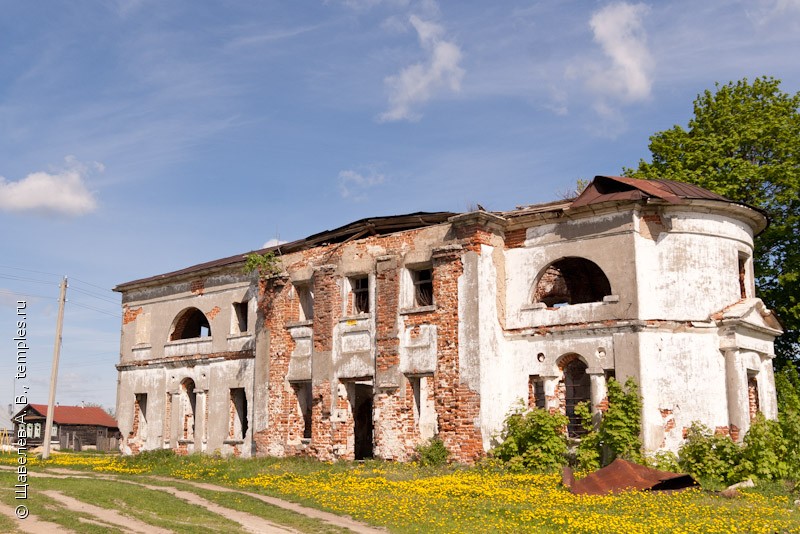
(150, 506)
(408, 498)
(46, 509)
(8, 525)
(258, 508)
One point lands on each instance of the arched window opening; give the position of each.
(571, 281)
(577, 389)
(190, 324)
(188, 406)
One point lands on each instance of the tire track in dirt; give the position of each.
(248, 522)
(105, 515)
(328, 517)
(32, 524)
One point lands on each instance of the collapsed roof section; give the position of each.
(354, 230)
(603, 189)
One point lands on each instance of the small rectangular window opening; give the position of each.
(536, 392)
(417, 391)
(743, 276)
(423, 287)
(360, 289)
(752, 396)
(238, 428)
(306, 298)
(240, 309)
(140, 413)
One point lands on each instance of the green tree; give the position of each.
(744, 143)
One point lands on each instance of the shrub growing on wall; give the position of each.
(533, 439)
(710, 457)
(617, 435)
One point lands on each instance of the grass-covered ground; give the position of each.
(403, 497)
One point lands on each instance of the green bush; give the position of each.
(617, 435)
(533, 439)
(265, 264)
(710, 457)
(787, 384)
(665, 461)
(590, 449)
(433, 453)
(764, 451)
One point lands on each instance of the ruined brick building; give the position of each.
(380, 334)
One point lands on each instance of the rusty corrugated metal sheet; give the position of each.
(621, 475)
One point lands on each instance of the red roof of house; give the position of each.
(78, 415)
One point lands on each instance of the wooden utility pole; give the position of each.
(48, 427)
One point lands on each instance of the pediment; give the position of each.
(749, 313)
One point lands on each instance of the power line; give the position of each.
(23, 279)
(91, 284)
(106, 312)
(95, 295)
(17, 293)
(28, 270)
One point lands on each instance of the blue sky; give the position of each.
(140, 137)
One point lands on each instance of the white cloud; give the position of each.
(63, 192)
(619, 31)
(418, 83)
(353, 184)
(274, 242)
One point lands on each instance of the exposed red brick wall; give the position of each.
(752, 396)
(197, 286)
(213, 312)
(278, 306)
(515, 238)
(130, 314)
(395, 429)
(457, 405)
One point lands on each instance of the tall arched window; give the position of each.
(571, 281)
(577, 389)
(190, 323)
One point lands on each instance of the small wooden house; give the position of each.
(74, 427)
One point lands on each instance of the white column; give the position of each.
(598, 392)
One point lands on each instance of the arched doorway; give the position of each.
(577, 389)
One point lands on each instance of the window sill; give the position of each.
(608, 299)
(239, 336)
(357, 317)
(297, 324)
(418, 309)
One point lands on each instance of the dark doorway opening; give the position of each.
(578, 389)
(362, 420)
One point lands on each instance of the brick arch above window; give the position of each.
(189, 324)
(571, 280)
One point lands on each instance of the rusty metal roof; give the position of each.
(616, 188)
(621, 475)
(602, 189)
(76, 415)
